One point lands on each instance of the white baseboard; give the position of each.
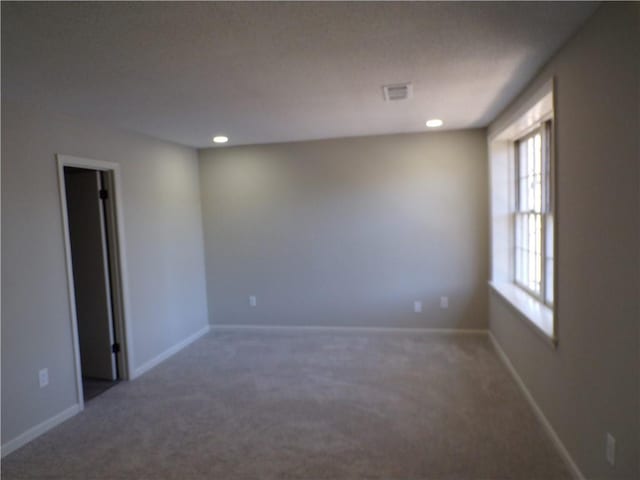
(39, 429)
(334, 329)
(145, 367)
(538, 411)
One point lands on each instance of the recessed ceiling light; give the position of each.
(220, 139)
(434, 123)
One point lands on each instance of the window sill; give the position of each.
(537, 315)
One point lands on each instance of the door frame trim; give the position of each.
(121, 299)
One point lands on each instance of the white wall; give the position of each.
(163, 229)
(590, 385)
(348, 232)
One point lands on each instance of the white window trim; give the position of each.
(538, 109)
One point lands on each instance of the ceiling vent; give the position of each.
(398, 91)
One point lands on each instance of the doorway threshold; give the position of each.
(92, 387)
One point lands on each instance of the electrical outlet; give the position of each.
(611, 449)
(417, 306)
(43, 377)
(252, 301)
(444, 302)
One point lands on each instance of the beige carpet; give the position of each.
(306, 405)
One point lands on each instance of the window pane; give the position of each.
(537, 155)
(532, 240)
(525, 267)
(531, 277)
(549, 281)
(529, 266)
(530, 157)
(523, 195)
(532, 254)
(538, 253)
(549, 240)
(549, 259)
(530, 193)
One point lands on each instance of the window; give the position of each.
(533, 218)
(521, 159)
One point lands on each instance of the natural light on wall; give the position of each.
(521, 156)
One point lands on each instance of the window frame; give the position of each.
(521, 119)
(546, 214)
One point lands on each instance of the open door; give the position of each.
(88, 217)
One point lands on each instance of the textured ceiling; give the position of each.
(271, 72)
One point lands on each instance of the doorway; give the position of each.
(94, 264)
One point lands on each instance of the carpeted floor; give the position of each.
(305, 405)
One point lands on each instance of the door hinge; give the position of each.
(115, 348)
(104, 194)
